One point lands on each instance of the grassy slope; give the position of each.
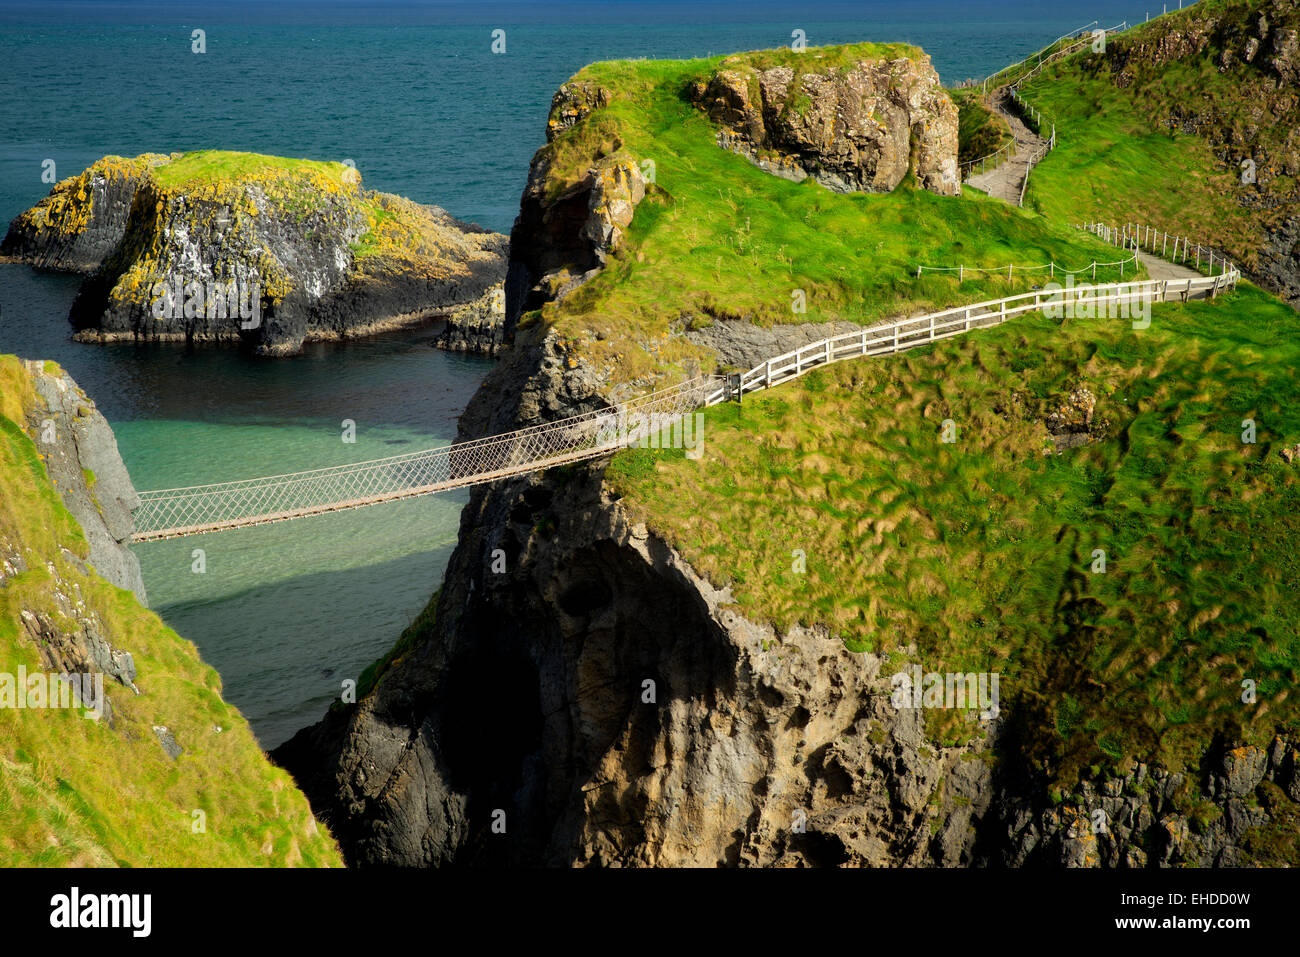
(719, 237)
(73, 791)
(1118, 149)
(978, 553)
(980, 132)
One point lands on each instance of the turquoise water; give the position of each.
(413, 95)
(284, 612)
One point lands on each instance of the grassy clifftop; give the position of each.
(1074, 436)
(717, 237)
(978, 555)
(80, 792)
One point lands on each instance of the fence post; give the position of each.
(967, 329)
(961, 274)
(767, 382)
(1094, 270)
(1009, 268)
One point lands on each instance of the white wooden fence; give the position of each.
(903, 334)
(1182, 251)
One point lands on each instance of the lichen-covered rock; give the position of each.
(478, 328)
(572, 103)
(267, 252)
(83, 219)
(861, 128)
(83, 462)
(616, 189)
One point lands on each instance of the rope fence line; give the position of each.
(1031, 113)
(1039, 54)
(1052, 269)
(1084, 37)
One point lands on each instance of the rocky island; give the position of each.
(269, 252)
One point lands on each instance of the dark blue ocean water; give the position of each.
(412, 94)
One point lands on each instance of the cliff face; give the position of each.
(562, 238)
(576, 675)
(98, 699)
(83, 462)
(237, 248)
(83, 219)
(860, 128)
(577, 694)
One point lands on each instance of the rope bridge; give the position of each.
(171, 513)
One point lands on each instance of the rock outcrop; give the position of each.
(861, 128)
(265, 252)
(83, 219)
(82, 459)
(478, 328)
(561, 240)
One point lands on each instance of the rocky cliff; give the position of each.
(578, 694)
(112, 729)
(861, 127)
(577, 683)
(81, 457)
(233, 247)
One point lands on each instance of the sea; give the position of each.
(442, 102)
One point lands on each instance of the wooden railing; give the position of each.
(903, 334)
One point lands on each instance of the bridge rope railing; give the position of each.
(171, 513)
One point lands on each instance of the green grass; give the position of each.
(1110, 158)
(212, 166)
(979, 552)
(81, 793)
(980, 131)
(1121, 145)
(717, 237)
